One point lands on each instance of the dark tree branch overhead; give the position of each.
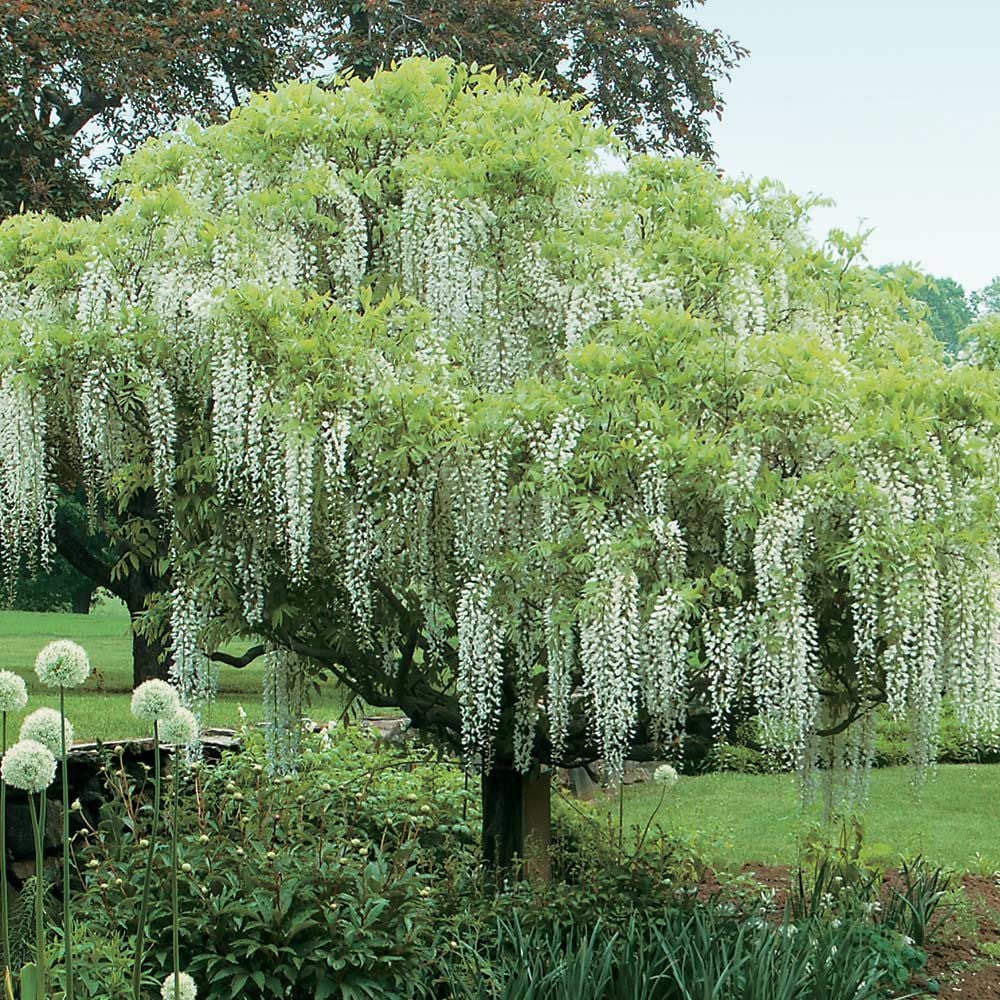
(252, 654)
(83, 558)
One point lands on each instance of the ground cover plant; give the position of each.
(358, 876)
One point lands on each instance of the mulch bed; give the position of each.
(956, 964)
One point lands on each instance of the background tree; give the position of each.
(539, 455)
(949, 310)
(62, 587)
(80, 84)
(987, 300)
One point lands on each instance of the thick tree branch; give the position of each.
(253, 653)
(76, 553)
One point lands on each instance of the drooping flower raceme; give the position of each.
(43, 726)
(188, 990)
(13, 692)
(155, 701)
(180, 729)
(28, 765)
(62, 663)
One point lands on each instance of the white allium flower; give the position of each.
(43, 726)
(62, 664)
(155, 701)
(188, 991)
(13, 692)
(665, 774)
(180, 729)
(29, 766)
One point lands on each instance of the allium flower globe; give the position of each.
(188, 991)
(665, 774)
(155, 701)
(42, 726)
(62, 664)
(180, 729)
(13, 692)
(29, 766)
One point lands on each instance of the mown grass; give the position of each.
(100, 709)
(953, 819)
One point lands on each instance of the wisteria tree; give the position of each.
(540, 454)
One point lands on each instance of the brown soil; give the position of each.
(956, 963)
(959, 964)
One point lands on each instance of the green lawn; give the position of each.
(954, 819)
(101, 707)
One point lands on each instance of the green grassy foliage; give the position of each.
(951, 819)
(101, 708)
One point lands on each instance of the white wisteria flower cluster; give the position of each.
(527, 446)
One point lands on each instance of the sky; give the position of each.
(891, 108)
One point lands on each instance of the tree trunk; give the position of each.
(150, 659)
(82, 599)
(517, 826)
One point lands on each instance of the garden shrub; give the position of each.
(358, 877)
(312, 885)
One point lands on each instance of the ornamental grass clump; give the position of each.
(153, 701)
(181, 730)
(13, 697)
(60, 664)
(30, 766)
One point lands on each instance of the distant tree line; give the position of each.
(942, 303)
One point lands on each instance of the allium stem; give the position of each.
(140, 933)
(4, 902)
(38, 826)
(67, 904)
(173, 882)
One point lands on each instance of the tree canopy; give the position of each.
(81, 83)
(948, 310)
(538, 452)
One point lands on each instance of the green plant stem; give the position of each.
(67, 903)
(38, 826)
(4, 902)
(140, 932)
(173, 884)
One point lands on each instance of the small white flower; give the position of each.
(45, 726)
(62, 664)
(667, 775)
(13, 692)
(184, 987)
(155, 701)
(181, 729)
(29, 766)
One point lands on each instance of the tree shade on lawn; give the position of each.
(536, 452)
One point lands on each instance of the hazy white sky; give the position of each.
(891, 107)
